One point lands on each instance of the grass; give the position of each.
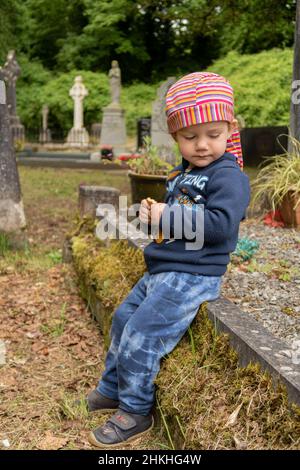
(50, 197)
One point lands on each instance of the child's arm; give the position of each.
(228, 195)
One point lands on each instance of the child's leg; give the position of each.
(108, 384)
(154, 329)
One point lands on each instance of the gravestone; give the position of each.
(78, 135)
(259, 142)
(12, 217)
(95, 133)
(160, 137)
(10, 72)
(91, 196)
(143, 130)
(45, 134)
(113, 130)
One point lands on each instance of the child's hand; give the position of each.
(144, 214)
(156, 211)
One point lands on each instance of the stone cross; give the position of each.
(115, 82)
(78, 135)
(78, 92)
(10, 72)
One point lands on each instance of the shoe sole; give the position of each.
(131, 439)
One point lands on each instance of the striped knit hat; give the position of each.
(202, 97)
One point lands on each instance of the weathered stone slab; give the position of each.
(91, 196)
(254, 343)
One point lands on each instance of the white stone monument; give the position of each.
(159, 129)
(78, 135)
(113, 129)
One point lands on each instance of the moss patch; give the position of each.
(106, 274)
(206, 400)
(215, 404)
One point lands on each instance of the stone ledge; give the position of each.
(256, 344)
(69, 163)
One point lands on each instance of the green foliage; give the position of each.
(246, 248)
(11, 26)
(137, 101)
(55, 93)
(37, 86)
(4, 244)
(261, 83)
(278, 177)
(256, 25)
(151, 39)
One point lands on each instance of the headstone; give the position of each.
(259, 142)
(10, 72)
(160, 137)
(12, 217)
(91, 196)
(113, 131)
(143, 130)
(45, 134)
(95, 133)
(78, 135)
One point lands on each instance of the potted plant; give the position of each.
(148, 174)
(278, 182)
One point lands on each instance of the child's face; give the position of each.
(201, 144)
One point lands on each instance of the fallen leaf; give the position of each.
(233, 417)
(50, 442)
(239, 445)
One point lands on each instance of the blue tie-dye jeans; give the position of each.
(146, 326)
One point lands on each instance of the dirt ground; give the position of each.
(55, 351)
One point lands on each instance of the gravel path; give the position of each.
(268, 286)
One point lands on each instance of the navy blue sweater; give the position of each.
(222, 192)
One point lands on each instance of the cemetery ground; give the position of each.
(55, 350)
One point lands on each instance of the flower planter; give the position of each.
(290, 216)
(143, 186)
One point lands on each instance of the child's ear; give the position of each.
(174, 135)
(233, 126)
